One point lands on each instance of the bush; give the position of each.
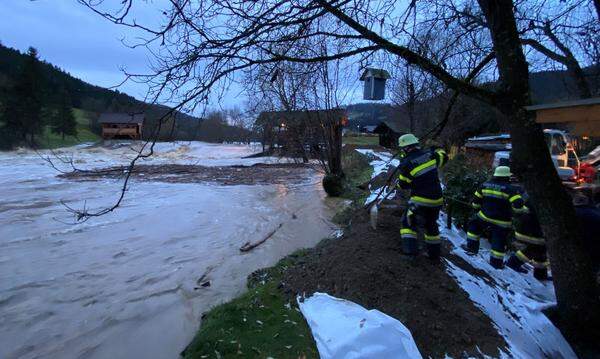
(333, 185)
(462, 178)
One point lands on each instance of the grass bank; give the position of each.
(265, 321)
(260, 323)
(361, 139)
(84, 134)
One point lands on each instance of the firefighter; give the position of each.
(495, 202)
(528, 234)
(418, 171)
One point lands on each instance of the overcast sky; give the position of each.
(89, 47)
(76, 39)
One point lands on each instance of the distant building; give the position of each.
(121, 125)
(389, 132)
(301, 127)
(368, 129)
(579, 117)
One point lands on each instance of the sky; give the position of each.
(77, 40)
(82, 43)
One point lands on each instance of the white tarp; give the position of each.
(343, 329)
(513, 301)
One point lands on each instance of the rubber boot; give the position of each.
(472, 247)
(410, 246)
(497, 263)
(516, 264)
(433, 250)
(540, 274)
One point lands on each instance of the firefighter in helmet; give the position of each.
(418, 171)
(496, 201)
(530, 239)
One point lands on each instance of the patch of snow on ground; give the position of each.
(513, 301)
(382, 161)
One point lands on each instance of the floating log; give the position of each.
(250, 246)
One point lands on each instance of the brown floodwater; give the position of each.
(125, 285)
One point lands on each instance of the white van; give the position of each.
(561, 149)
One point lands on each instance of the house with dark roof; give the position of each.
(579, 117)
(389, 132)
(121, 125)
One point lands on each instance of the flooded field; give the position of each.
(126, 285)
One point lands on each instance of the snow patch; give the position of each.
(513, 301)
(381, 162)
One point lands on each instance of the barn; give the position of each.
(579, 117)
(121, 125)
(389, 131)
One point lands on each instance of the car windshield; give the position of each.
(555, 143)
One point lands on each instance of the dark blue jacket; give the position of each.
(418, 171)
(527, 227)
(497, 199)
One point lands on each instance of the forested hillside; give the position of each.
(90, 100)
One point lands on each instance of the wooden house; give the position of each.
(389, 132)
(302, 127)
(579, 117)
(121, 125)
(304, 133)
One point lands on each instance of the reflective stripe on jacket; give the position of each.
(419, 172)
(527, 227)
(497, 199)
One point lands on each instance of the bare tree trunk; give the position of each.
(575, 285)
(335, 149)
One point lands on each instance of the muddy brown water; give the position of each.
(125, 285)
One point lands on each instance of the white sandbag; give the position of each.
(343, 329)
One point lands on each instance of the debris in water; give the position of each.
(249, 246)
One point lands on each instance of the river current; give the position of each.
(125, 285)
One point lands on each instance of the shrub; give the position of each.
(333, 185)
(462, 177)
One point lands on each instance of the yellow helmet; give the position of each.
(407, 140)
(502, 171)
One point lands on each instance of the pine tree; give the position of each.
(62, 120)
(22, 111)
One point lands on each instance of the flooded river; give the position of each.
(124, 285)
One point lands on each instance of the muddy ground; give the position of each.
(367, 267)
(277, 173)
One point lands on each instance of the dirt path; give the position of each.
(367, 267)
(278, 173)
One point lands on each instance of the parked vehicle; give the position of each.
(560, 145)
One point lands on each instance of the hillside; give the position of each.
(92, 99)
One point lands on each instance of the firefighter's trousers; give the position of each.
(498, 236)
(533, 251)
(412, 219)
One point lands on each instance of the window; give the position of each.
(556, 144)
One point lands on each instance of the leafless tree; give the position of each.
(204, 46)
